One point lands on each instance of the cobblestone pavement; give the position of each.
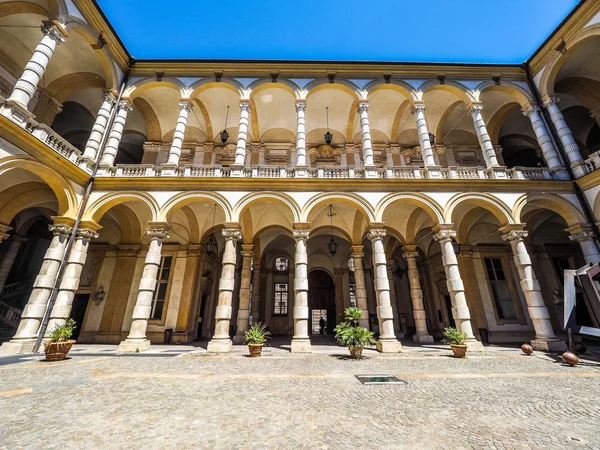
(178, 397)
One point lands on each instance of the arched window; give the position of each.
(281, 264)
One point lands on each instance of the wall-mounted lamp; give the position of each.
(99, 295)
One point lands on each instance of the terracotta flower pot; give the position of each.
(570, 358)
(255, 350)
(527, 349)
(356, 352)
(460, 351)
(57, 351)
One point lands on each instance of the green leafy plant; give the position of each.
(454, 337)
(62, 333)
(350, 335)
(354, 315)
(257, 334)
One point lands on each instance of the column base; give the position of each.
(301, 346)
(239, 339)
(497, 172)
(549, 345)
(301, 172)
(389, 346)
(474, 345)
(579, 169)
(17, 347)
(423, 339)
(433, 172)
(560, 173)
(370, 171)
(17, 113)
(128, 346)
(219, 346)
(237, 171)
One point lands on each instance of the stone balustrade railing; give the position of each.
(9, 315)
(47, 135)
(593, 161)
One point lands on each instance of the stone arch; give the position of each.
(454, 87)
(185, 198)
(521, 96)
(281, 83)
(396, 85)
(445, 116)
(247, 200)
(326, 228)
(569, 212)
(23, 196)
(340, 85)
(423, 201)
(209, 130)
(154, 133)
(100, 206)
(494, 124)
(68, 202)
(58, 10)
(486, 201)
(139, 87)
(208, 83)
(344, 197)
(20, 7)
(396, 124)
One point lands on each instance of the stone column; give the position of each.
(9, 258)
(301, 167)
(394, 299)
(545, 339)
(114, 139)
(445, 234)
(426, 150)
(359, 281)
(300, 340)
(221, 342)
(543, 137)
(243, 316)
(237, 169)
(158, 232)
(185, 106)
(69, 284)
(422, 335)
(256, 291)
(93, 144)
(367, 149)
(387, 337)
(31, 319)
(566, 137)
(54, 34)
(584, 236)
(489, 153)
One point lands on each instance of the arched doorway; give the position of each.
(321, 299)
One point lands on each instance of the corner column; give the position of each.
(93, 144)
(367, 149)
(116, 134)
(301, 340)
(237, 169)
(445, 234)
(422, 335)
(394, 299)
(432, 169)
(137, 341)
(584, 236)
(256, 291)
(545, 141)
(566, 137)
(489, 153)
(9, 258)
(359, 280)
(545, 339)
(387, 337)
(243, 315)
(33, 313)
(221, 341)
(185, 106)
(300, 168)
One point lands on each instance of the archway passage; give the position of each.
(321, 300)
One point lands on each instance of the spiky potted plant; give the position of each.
(60, 341)
(349, 334)
(256, 337)
(456, 339)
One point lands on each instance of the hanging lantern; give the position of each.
(432, 138)
(224, 134)
(332, 246)
(328, 135)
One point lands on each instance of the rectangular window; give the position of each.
(160, 292)
(280, 306)
(353, 294)
(500, 289)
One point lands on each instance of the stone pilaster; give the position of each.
(93, 144)
(359, 280)
(243, 315)
(566, 137)
(237, 169)
(185, 107)
(71, 277)
(137, 341)
(584, 236)
(545, 339)
(221, 342)
(422, 335)
(9, 258)
(387, 337)
(367, 148)
(33, 313)
(300, 165)
(256, 291)
(445, 234)
(116, 134)
(301, 340)
(394, 299)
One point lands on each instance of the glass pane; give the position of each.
(488, 264)
(162, 291)
(497, 264)
(167, 262)
(164, 275)
(491, 275)
(509, 311)
(158, 309)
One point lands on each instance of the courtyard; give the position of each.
(181, 397)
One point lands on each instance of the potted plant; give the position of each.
(59, 345)
(256, 337)
(351, 335)
(456, 339)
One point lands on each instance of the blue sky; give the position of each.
(475, 31)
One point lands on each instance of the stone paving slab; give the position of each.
(176, 400)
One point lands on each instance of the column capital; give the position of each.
(4, 229)
(158, 230)
(363, 106)
(550, 100)
(301, 235)
(357, 251)
(418, 107)
(245, 105)
(126, 105)
(54, 30)
(529, 109)
(582, 236)
(110, 96)
(87, 234)
(232, 234)
(60, 229)
(475, 107)
(185, 104)
(410, 251)
(514, 232)
(300, 105)
(376, 233)
(444, 232)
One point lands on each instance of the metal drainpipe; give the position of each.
(84, 201)
(583, 201)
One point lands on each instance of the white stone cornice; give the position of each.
(158, 233)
